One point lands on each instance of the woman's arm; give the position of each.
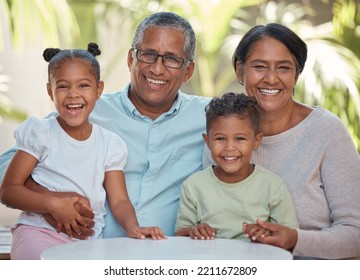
(340, 174)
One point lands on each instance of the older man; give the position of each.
(161, 126)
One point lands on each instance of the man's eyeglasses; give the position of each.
(170, 61)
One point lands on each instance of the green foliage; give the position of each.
(331, 78)
(21, 23)
(25, 20)
(346, 22)
(8, 111)
(212, 22)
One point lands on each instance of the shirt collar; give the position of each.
(135, 113)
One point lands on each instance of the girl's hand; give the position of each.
(155, 233)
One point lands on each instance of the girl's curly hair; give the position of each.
(56, 57)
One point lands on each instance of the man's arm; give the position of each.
(5, 159)
(83, 207)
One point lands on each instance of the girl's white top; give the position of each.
(68, 165)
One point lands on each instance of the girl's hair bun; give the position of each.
(93, 48)
(49, 53)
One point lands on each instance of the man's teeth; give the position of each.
(269, 91)
(155, 81)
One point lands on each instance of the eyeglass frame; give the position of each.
(162, 58)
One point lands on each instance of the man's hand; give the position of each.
(82, 206)
(87, 220)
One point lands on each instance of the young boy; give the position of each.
(221, 199)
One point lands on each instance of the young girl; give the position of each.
(69, 155)
(221, 199)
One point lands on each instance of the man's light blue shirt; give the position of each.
(162, 154)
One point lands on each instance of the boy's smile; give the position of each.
(231, 140)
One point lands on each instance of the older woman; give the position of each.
(307, 146)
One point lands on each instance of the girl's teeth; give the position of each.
(74, 106)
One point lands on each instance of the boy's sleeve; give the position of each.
(187, 214)
(283, 209)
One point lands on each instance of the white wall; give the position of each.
(27, 90)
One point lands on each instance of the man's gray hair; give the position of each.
(168, 20)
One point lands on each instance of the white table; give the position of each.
(173, 248)
(5, 242)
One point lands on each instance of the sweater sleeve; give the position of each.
(340, 172)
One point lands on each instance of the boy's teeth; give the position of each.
(230, 158)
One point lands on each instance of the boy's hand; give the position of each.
(202, 231)
(255, 231)
(280, 236)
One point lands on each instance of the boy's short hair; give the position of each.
(234, 104)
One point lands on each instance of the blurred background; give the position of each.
(331, 29)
